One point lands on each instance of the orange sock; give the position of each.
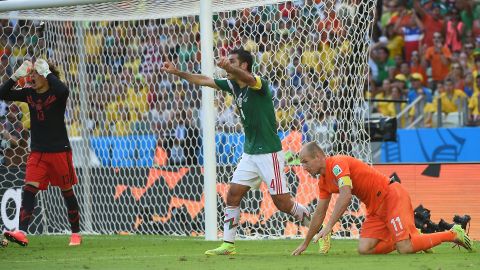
(426, 241)
(384, 247)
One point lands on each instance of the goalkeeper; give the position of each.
(389, 224)
(50, 160)
(263, 158)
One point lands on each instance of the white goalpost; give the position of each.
(154, 154)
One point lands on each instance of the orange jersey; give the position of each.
(369, 185)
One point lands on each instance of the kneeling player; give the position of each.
(389, 224)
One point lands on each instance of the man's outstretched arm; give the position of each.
(198, 79)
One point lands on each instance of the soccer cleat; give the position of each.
(324, 244)
(75, 239)
(461, 237)
(224, 249)
(18, 237)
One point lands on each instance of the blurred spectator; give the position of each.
(468, 49)
(412, 34)
(452, 99)
(182, 142)
(395, 108)
(285, 114)
(465, 8)
(476, 26)
(137, 93)
(457, 75)
(401, 82)
(13, 138)
(468, 88)
(405, 71)
(321, 125)
(122, 127)
(454, 32)
(428, 109)
(431, 19)
(380, 56)
(474, 106)
(416, 81)
(416, 66)
(465, 62)
(5, 66)
(227, 120)
(402, 15)
(177, 153)
(438, 57)
(141, 126)
(394, 42)
(384, 93)
(476, 69)
(160, 115)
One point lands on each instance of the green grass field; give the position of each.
(157, 252)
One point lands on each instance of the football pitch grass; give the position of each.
(159, 252)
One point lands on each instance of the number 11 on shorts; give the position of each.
(396, 221)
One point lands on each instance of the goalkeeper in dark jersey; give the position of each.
(50, 160)
(263, 159)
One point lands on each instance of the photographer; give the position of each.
(426, 225)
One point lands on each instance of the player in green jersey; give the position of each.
(263, 159)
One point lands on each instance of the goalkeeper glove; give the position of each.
(42, 68)
(22, 71)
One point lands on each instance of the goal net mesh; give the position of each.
(136, 132)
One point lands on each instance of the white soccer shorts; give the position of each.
(252, 169)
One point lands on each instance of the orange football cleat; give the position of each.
(75, 239)
(18, 237)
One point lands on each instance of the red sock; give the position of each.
(426, 241)
(384, 247)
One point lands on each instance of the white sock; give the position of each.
(232, 218)
(300, 213)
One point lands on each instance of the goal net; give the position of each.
(136, 132)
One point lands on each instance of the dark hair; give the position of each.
(244, 57)
(448, 80)
(385, 49)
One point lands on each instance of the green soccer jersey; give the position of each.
(257, 114)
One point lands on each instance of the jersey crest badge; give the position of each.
(337, 170)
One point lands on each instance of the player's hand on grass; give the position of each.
(224, 63)
(22, 71)
(322, 234)
(300, 249)
(42, 68)
(169, 67)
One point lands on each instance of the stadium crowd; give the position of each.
(418, 48)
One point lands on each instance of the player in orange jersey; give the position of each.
(389, 224)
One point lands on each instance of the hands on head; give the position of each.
(41, 67)
(24, 70)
